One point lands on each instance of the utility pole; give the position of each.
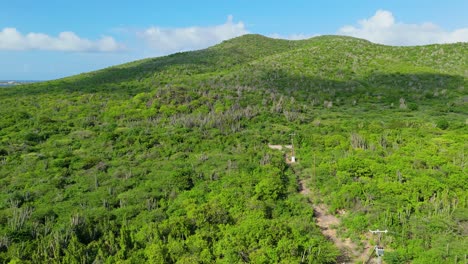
(379, 250)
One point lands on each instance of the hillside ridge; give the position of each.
(238, 54)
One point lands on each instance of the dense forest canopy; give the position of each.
(166, 160)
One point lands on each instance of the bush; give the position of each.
(442, 124)
(413, 107)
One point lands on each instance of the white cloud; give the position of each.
(12, 39)
(382, 28)
(166, 40)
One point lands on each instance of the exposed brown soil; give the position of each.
(328, 224)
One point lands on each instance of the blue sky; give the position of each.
(52, 39)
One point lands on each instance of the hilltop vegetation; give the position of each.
(165, 160)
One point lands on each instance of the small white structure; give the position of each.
(293, 154)
(291, 158)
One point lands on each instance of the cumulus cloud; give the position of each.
(382, 28)
(165, 40)
(12, 39)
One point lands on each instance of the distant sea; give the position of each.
(8, 83)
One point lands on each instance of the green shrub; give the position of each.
(442, 124)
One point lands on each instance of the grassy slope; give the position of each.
(118, 135)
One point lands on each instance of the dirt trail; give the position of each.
(328, 224)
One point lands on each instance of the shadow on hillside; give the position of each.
(132, 78)
(381, 86)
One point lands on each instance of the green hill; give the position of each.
(166, 160)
